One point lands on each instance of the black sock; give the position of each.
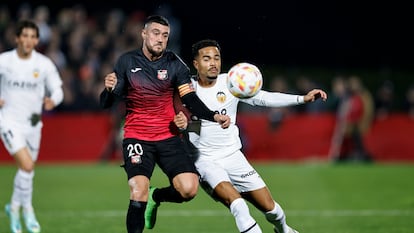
(135, 217)
(167, 194)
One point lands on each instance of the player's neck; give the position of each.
(24, 55)
(206, 82)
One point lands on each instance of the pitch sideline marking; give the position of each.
(214, 213)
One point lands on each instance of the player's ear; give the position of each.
(195, 64)
(144, 33)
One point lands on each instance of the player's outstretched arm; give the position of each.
(314, 95)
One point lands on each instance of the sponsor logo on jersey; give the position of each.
(162, 74)
(15, 84)
(135, 70)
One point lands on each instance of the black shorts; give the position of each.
(140, 157)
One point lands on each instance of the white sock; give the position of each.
(244, 221)
(22, 190)
(277, 217)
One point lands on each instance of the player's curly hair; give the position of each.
(202, 44)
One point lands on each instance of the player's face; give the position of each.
(26, 42)
(155, 37)
(208, 63)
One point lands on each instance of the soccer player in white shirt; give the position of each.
(224, 171)
(30, 82)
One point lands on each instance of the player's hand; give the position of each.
(48, 103)
(110, 81)
(314, 95)
(1, 102)
(181, 121)
(223, 120)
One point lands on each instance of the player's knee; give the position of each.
(188, 198)
(187, 188)
(27, 166)
(189, 194)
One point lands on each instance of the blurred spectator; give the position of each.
(174, 41)
(354, 118)
(276, 115)
(4, 17)
(54, 50)
(338, 93)
(24, 11)
(4, 24)
(41, 18)
(304, 84)
(409, 101)
(384, 100)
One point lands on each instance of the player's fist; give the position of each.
(110, 81)
(48, 103)
(181, 121)
(223, 120)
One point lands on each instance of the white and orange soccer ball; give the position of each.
(244, 80)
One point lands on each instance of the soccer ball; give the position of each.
(244, 80)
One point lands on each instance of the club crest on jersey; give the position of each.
(36, 74)
(162, 74)
(136, 159)
(221, 97)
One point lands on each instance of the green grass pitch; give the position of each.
(317, 198)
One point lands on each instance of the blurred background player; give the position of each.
(224, 171)
(355, 113)
(29, 82)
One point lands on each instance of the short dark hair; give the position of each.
(26, 24)
(202, 44)
(156, 19)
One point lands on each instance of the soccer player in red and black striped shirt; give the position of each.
(147, 80)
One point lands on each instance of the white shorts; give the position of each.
(234, 169)
(16, 138)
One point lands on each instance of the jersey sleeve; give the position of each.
(274, 99)
(119, 70)
(108, 98)
(54, 82)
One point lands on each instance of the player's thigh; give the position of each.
(15, 139)
(139, 157)
(211, 173)
(242, 174)
(173, 159)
